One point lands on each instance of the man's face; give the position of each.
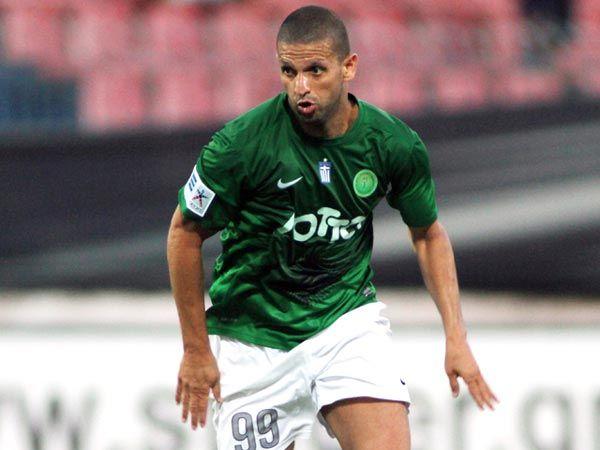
(313, 77)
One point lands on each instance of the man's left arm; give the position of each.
(436, 260)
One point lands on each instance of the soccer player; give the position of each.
(295, 330)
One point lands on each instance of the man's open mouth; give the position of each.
(306, 107)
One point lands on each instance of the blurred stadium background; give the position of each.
(104, 105)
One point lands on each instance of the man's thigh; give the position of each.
(267, 402)
(369, 424)
(361, 364)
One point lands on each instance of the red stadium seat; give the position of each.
(487, 9)
(181, 96)
(427, 42)
(277, 10)
(113, 98)
(34, 36)
(173, 33)
(581, 60)
(586, 43)
(378, 40)
(47, 4)
(235, 90)
(460, 9)
(342, 7)
(461, 44)
(588, 80)
(460, 88)
(428, 9)
(242, 57)
(244, 71)
(406, 93)
(388, 72)
(588, 10)
(100, 34)
(356, 9)
(503, 43)
(396, 91)
(521, 86)
(232, 94)
(242, 32)
(273, 9)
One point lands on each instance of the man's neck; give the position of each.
(340, 121)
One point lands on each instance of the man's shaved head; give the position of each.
(313, 24)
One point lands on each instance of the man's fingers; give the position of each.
(203, 407)
(194, 408)
(454, 384)
(178, 391)
(475, 391)
(488, 396)
(195, 405)
(186, 403)
(494, 397)
(217, 392)
(481, 392)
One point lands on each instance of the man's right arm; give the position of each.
(198, 373)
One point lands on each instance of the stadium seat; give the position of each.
(460, 88)
(242, 33)
(30, 100)
(342, 7)
(277, 10)
(100, 34)
(112, 97)
(379, 40)
(424, 10)
(232, 95)
(396, 91)
(181, 95)
(357, 9)
(427, 41)
(459, 9)
(587, 10)
(522, 86)
(21, 4)
(582, 60)
(236, 90)
(18, 85)
(487, 9)
(33, 35)
(244, 68)
(503, 43)
(173, 32)
(588, 80)
(586, 42)
(461, 44)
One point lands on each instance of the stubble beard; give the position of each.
(322, 114)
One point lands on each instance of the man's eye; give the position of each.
(286, 70)
(317, 70)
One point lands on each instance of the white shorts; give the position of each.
(271, 396)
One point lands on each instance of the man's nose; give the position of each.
(301, 85)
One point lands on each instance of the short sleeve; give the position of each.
(412, 188)
(211, 196)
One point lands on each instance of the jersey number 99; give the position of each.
(266, 424)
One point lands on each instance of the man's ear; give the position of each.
(349, 66)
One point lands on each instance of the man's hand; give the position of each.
(198, 375)
(461, 363)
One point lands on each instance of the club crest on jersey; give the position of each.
(325, 171)
(197, 195)
(365, 182)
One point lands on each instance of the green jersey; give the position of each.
(296, 217)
